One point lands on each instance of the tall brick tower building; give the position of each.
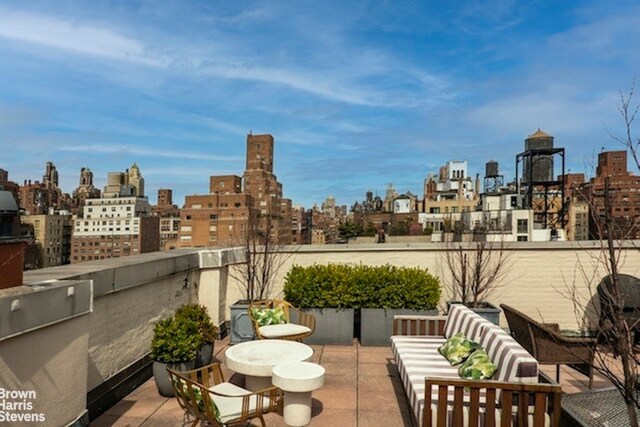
(262, 184)
(222, 216)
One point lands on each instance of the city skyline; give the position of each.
(356, 95)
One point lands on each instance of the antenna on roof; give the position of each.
(250, 132)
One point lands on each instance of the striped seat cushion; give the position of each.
(481, 416)
(462, 319)
(515, 364)
(417, 357)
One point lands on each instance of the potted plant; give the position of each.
(176, 342)
(206, 328)
(386, 291)
(476, 270)
(359, 300)
(326, 291)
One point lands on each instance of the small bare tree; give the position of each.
(476, 269)
(617, 332)
(263, 251)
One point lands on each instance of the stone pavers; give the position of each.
(362, 389)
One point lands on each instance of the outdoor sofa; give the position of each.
(438, 396)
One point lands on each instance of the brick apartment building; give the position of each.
(37, 197)
(222, 216)
(624, 196)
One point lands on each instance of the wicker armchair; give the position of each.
(629, 287)
(548, 346)
(205, 396)
(304, 326)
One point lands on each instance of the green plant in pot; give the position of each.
(207, 330)
(176, 342)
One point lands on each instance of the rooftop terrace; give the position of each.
(83, 331)
(362, 388)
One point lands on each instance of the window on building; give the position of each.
(213, 217)
(523, 226)
(523, 238)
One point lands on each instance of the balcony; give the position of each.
(83, 331)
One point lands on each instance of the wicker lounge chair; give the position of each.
(630, 292)
(205, 396)
(548, 346)
(304, 326)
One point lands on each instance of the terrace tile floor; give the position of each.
(362, 389)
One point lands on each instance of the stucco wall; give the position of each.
(121, 325)
(52, 361)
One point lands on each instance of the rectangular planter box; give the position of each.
(376, 324)
(333, 326)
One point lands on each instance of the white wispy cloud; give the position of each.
(146, 152)
(343, 84)
(71, 36)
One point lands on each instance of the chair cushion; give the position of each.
(417, 357)
(231, 407)
(269, 316)
(457, 348)
(283, 330)
(478, 366)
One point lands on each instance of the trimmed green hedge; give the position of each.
(361, 286)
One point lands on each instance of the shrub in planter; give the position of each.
(176, 342)
(340, 286)
(207, 330)
(361, 286)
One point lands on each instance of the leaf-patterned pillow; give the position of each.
(268, 316)
(457, 348)
(478, 366)
(197, 396)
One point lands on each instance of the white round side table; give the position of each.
(298, 380)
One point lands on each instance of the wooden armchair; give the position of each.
(548, 346)
(304, 326)
(204, 395)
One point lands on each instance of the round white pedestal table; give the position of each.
(256, 359)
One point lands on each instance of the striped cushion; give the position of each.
(417, 357)
(515, 364)
(462, 319)
(481, 412)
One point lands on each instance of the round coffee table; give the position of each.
(298, 380)
(256, 359)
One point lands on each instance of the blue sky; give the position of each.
(357, 94)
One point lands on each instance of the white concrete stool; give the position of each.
(298, 380)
